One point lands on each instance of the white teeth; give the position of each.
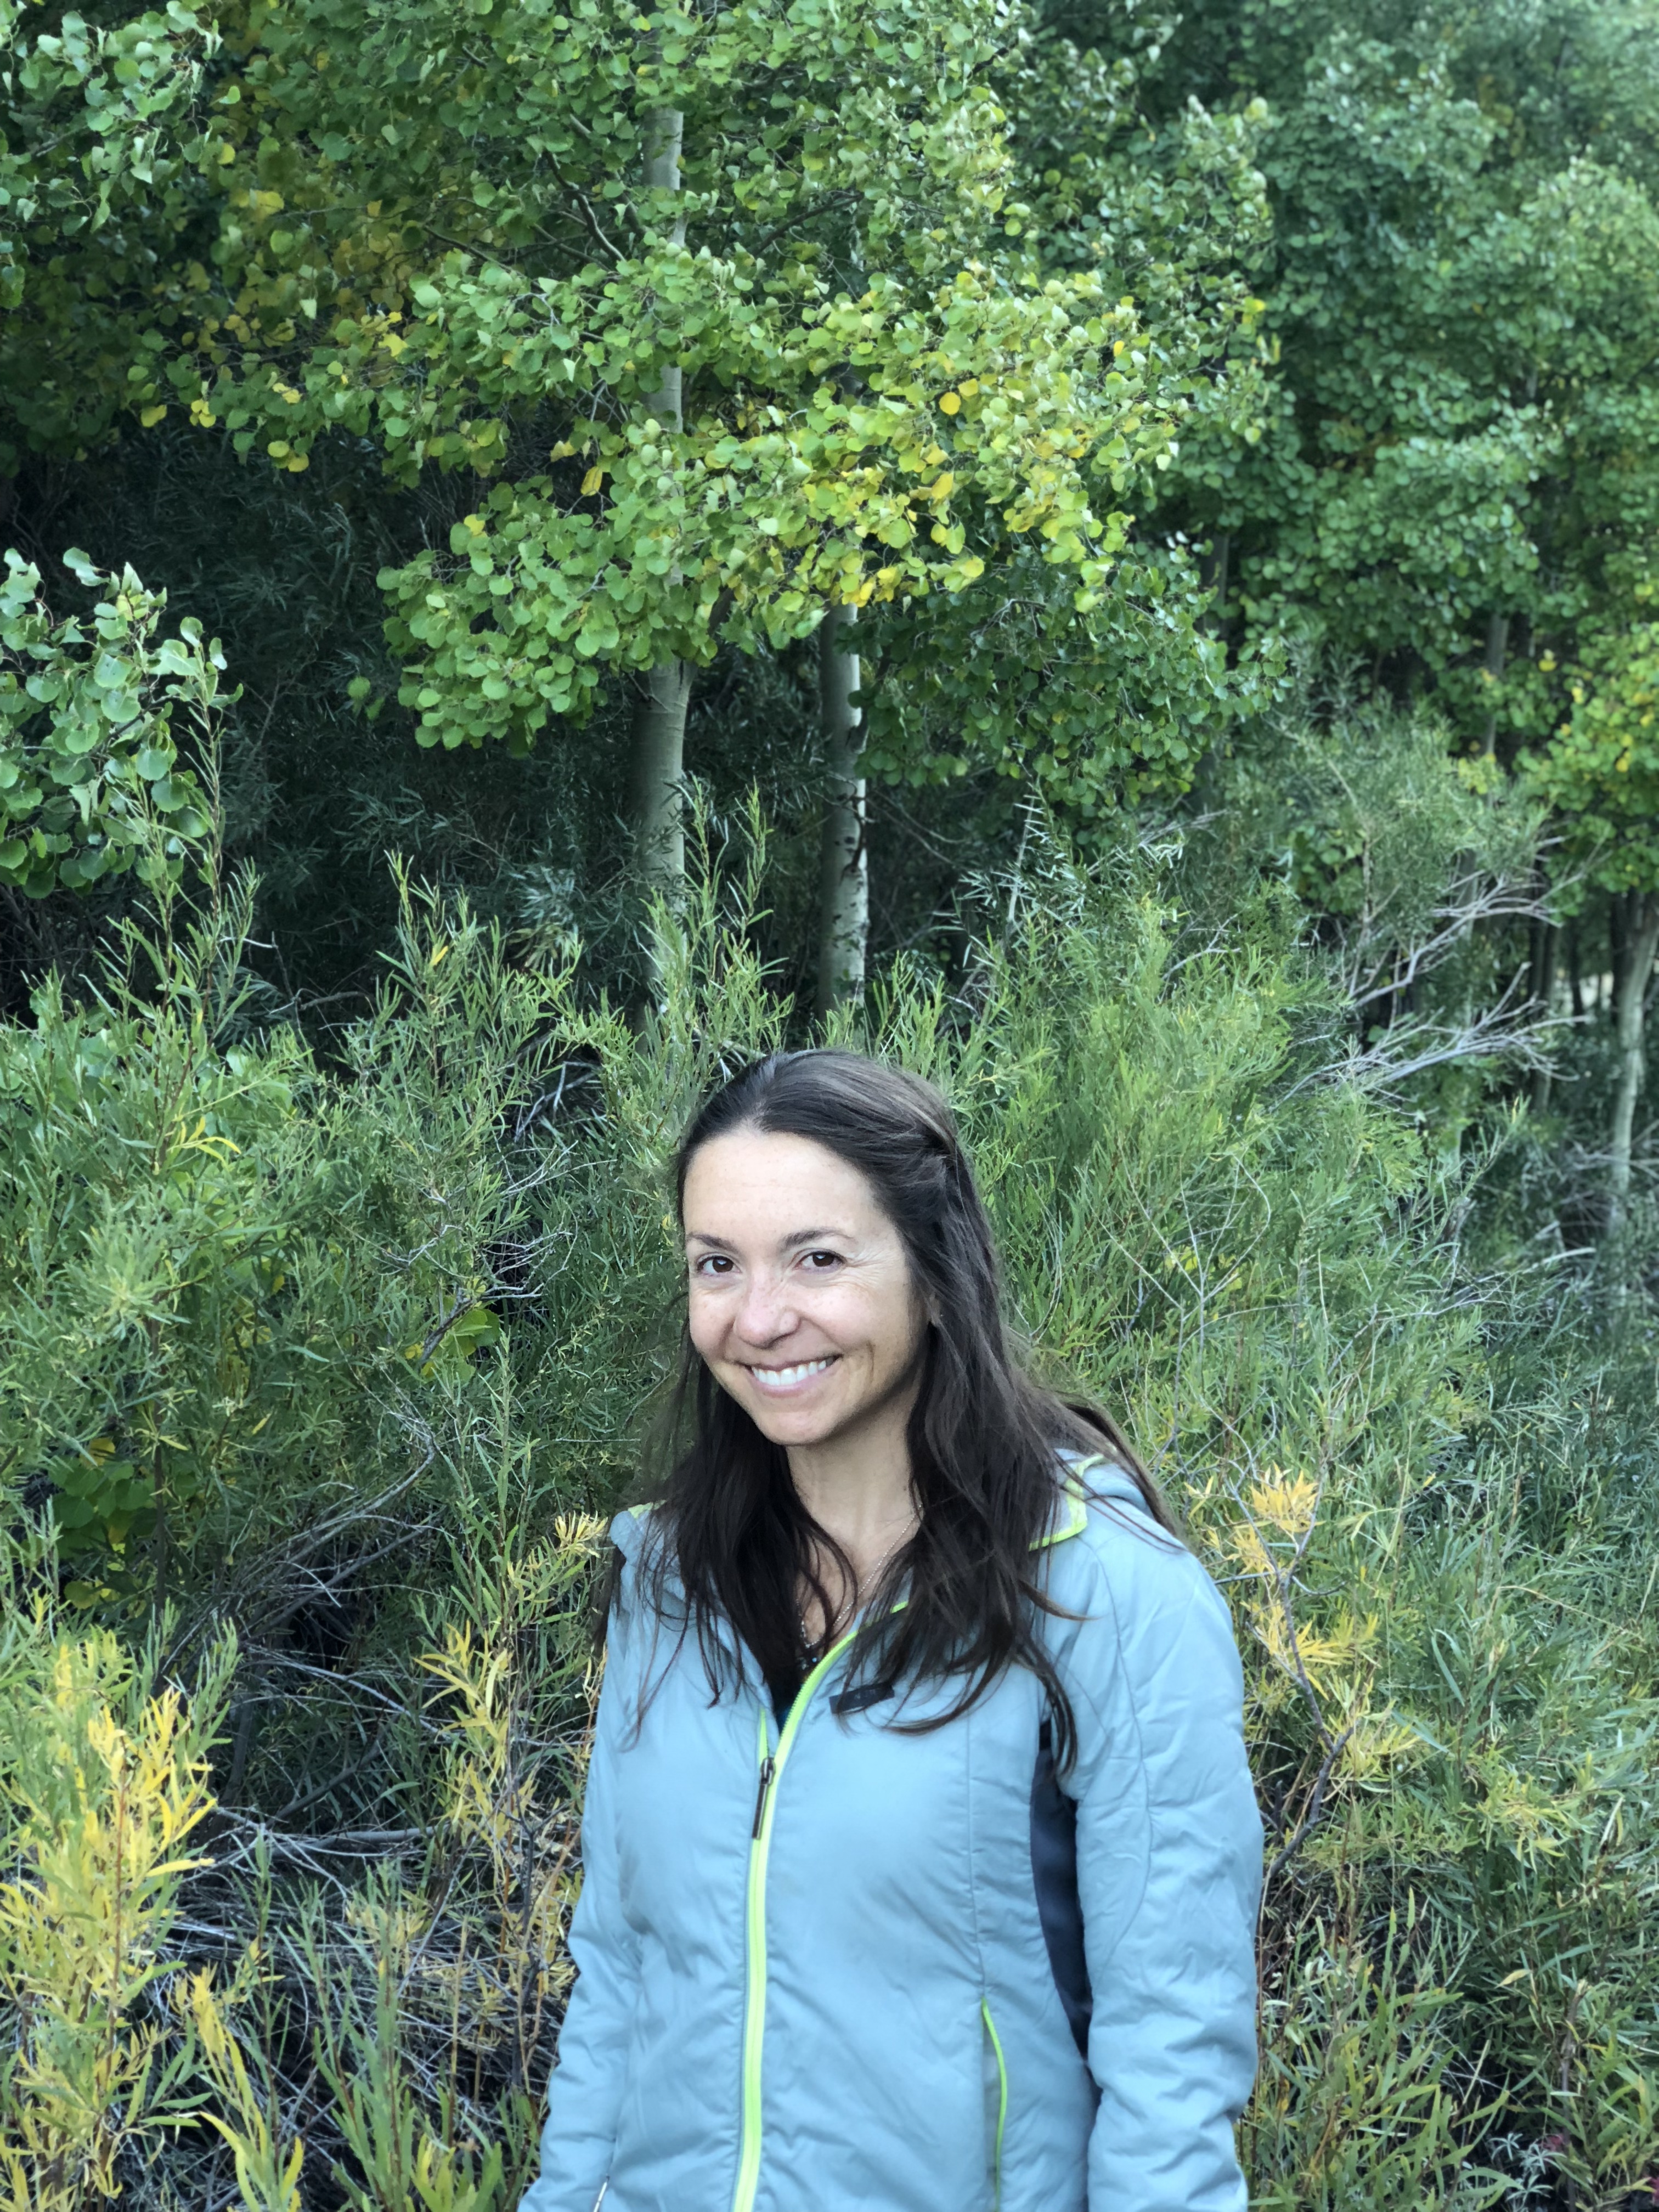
(780, 1378)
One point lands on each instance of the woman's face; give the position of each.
(801, 1298)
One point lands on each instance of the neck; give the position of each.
(857, 1487)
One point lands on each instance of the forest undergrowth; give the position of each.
(325, 1359)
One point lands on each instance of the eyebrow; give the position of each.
(793, 1242)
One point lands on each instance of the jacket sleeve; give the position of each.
(1168, 1877)
(585, 2095)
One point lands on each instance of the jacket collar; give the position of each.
(1071, 1515)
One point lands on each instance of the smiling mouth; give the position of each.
(785, 1378)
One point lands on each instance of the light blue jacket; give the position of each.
(813, 1970)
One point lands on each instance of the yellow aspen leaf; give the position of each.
(475, 523)
(951, 404)
(150, 416)
(593, 480)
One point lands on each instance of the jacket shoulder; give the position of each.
(1117, 1576)
(1102, 1518)
(635, 1587)
(629, 1529)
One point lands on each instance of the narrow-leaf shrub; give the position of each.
(369, 1323)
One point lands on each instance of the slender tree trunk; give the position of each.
(1641, 944)
(1546, 942)
(658, 763)
(658, 750)
(1619, 908)
(1498, 646)
(844, 875)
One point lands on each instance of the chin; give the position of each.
(791, 1425)
(780, 1425)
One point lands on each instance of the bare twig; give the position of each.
(1314, 1812)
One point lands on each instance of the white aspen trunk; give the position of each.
(1631, 985)
(1546, 938)
(657, 760)
(844, 874)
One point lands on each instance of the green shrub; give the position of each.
(340, 1348)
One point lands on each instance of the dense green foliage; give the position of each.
(1235, 436)
(92, 773)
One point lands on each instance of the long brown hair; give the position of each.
(729, 1544)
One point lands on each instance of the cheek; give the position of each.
(890, 1323)
(703, 1322)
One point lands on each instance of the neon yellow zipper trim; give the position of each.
(770, 1765)
(1077, 1509)
(1002, 2097)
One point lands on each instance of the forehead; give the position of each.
(758, 1182)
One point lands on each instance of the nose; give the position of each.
(765, 1312)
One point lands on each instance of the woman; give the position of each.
(920, 1855)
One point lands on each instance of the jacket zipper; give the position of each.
(770, 1766)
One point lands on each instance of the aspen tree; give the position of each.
(732, 317)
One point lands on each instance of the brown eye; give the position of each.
(820, 1262)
